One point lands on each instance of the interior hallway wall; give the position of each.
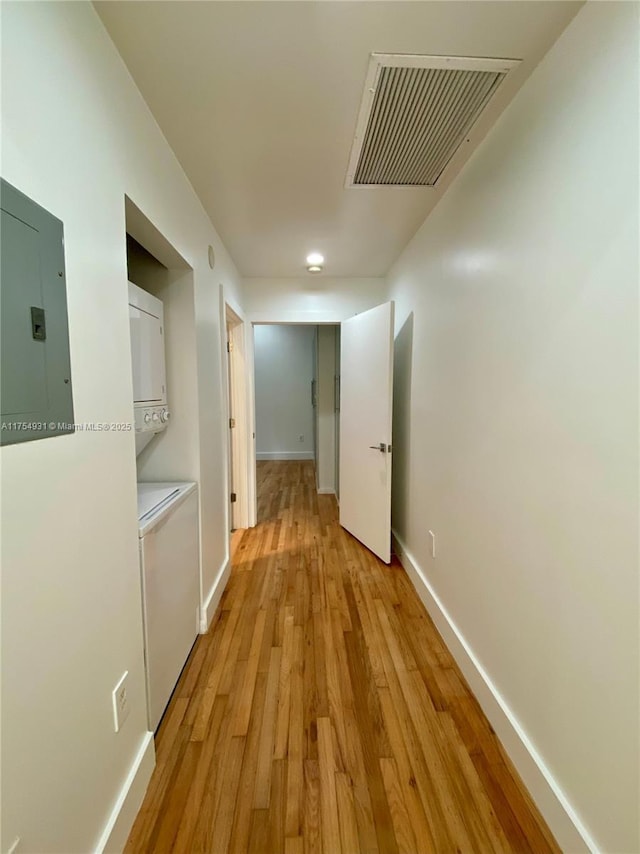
(76, 137)
(516, 413)
(284, 370)
(325, 410)
(310, 298)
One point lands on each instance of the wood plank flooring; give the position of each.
(322, 713)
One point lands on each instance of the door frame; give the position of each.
(318, 316)
(284, 318)
(238, 403)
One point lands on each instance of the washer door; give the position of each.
(147, 356)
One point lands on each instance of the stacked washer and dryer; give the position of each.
(168, 526)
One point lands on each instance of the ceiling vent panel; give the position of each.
(415, 113)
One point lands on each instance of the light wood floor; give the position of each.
(323, 713)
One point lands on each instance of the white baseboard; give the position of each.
(215, 595)
(562, 819)
(326, 490)
(285, 455)
(123, 814)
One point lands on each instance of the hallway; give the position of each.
(322, 711)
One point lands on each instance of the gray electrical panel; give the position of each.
(35, 373)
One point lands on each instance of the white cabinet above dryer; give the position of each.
(146, 319)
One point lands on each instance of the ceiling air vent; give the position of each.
(415, 112)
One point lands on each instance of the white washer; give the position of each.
(170, 570)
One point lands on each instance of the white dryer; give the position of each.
(146, 329)
(168, 529)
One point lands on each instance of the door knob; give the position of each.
(381, 447)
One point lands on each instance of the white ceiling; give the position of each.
(259, 101)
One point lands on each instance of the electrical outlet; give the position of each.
(120, 700)
(433, 544)
(301, 438)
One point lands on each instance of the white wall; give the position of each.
(77, 136)
(284, 369)
(325, 410)
(516, 422)
(337, 413)
(310, 299)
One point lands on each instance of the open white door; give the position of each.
(365, 427)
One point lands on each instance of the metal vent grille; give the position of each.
(415, 113)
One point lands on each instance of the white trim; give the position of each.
(214, 597)
(299, 317)
(125, 810)
(285, 455)
(459, 63)
(326, 490)
(241, 443)
(239, 435)
(378, 61)
(563, 820)
(235, 308)
(226, 448)
(368, 94)
(252, 485)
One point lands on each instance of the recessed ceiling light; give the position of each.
(315, 259)
(314, 268)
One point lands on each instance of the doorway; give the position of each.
(362, 391)
(285, 378)
(295, 397)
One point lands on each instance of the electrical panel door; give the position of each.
(35, 383)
